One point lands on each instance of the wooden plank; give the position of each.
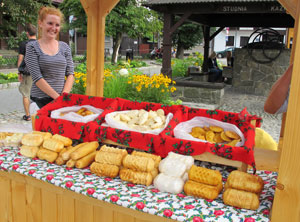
(121, 217)
(289, 5)
(83, 211)
(49, 206)
(103, 214)
(5, 199)
(18, 201)
(33, 207)
(66, 208)
(267, 159)
(217, 159)
(139, 220)
(287, 195)
(52, 198)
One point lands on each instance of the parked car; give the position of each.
(222, 54)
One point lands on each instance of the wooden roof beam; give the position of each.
(216, 33)
(289, 5)
(180, 22)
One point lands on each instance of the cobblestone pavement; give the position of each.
(236, 102)
(232, 101)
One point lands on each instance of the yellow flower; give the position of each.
(162, 90)
(129, 82)
(77, 81)
(138, 88)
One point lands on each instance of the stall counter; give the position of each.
(34, 190)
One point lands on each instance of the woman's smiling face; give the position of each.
(50, 26)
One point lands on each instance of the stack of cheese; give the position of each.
(203, 183)
(173, 172)
(142, 120)
(108, 161)
(80, 156)
(140, 168)
(52, 146)
(155, 158)
(10, 139)
(32, 142)
(243, 190)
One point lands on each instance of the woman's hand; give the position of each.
(20, 77)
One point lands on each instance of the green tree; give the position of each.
(14, 14)
(129, 17)
(133, 19)
(187, 36)
(74, 8)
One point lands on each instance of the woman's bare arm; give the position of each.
(279, 92)
(46, 88)
(68, 84)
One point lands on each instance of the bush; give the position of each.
(180, 66)
(79, 58)
(157, 88)
(134, 86)
(14, 42)
(81, 68)
(7, 78)
(8, 60)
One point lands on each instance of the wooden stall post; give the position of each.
(286, 203)
(96, 11)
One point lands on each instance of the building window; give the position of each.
(229, 40)
(244, 40)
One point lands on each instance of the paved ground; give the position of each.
(11, 109)
(5, 71)
(235, 102)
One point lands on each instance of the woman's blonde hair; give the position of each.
(213, 55)
(45, 10)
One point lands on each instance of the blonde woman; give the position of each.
(215, 73)
(49, 61)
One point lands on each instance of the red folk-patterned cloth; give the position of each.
(160, 144)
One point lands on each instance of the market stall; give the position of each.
(23, 179)
(35, 190)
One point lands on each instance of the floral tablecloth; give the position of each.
(138, 197)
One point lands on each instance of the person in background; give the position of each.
(129, 54)
(49, 61)
(159, 53)
(174, 53)
(24, 75)
(215, 72)
(278, 98)
(229, 58)
(153, 53)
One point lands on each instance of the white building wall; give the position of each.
(220, 39)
